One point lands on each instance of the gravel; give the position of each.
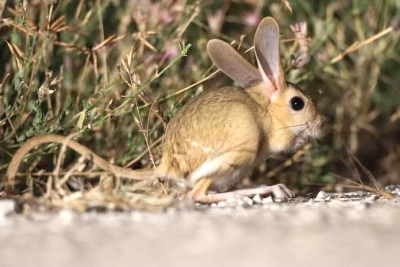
(354, 229)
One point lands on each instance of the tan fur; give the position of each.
(219, 136)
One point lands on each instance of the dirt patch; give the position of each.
(352, 232)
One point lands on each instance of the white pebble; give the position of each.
(321, 196)
(257, 199)
(66, 216)
(7, 207)
(372, 197)
(268, 200)
(245, 202)
(233, 201)
(222, 204)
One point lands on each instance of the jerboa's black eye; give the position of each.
(297, 103)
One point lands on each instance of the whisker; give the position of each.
(302, 131)
(291, 126)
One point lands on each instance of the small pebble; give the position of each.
(232, 202)
(245, 202)
(372, 197)
(320, 196)
(268, 200)
(137, 215)
(257, 199)
(222, 204)
(394, 189)
(7, 207)
(187, 204)
(66, 216)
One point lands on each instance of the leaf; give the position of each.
(81, 119)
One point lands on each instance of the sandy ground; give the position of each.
(335, 233)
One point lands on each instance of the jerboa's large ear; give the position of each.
(233, 64)
(266, 45)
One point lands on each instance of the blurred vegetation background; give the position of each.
(116, 71)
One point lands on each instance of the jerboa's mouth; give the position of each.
(311, 131)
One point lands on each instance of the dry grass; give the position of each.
(114, 72)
